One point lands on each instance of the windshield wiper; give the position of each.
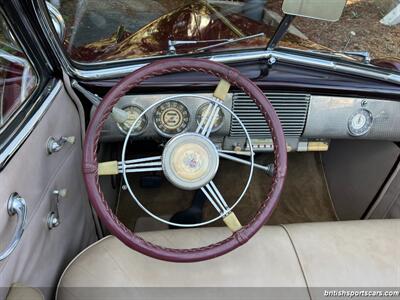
(220, 43)
(364, 55)
(173, 43)
(230, 41)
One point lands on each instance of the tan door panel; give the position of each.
(42, 254)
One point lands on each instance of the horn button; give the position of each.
(190, 161)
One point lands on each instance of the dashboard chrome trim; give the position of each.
(328, 118)
(321, 118)
(291, 108)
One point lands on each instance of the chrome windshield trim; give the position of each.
(256, 55)
(23, 134)
(119, 71)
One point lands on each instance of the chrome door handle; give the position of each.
(16, 205)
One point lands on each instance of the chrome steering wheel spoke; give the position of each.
(147, 164)
(212, 193)
(269, 169)
(207, 121)
(140, 165)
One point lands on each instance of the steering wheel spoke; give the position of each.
(215, 197)
(147, 164)
(222, 89)
(232, 222)
(269, 169)
(207, 121)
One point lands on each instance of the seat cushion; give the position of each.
(19, 292)
(353, 253)
(349, 254)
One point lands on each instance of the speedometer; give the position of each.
(171, 118)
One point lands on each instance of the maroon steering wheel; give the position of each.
(91, 169)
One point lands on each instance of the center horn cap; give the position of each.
(190, 161)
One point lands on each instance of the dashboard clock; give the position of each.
(133, 113)
(203, 112)
(171, 118)
(360, 122)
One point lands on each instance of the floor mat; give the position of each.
(305, 197)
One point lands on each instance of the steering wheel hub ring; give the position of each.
(190, 161)
(129, 137)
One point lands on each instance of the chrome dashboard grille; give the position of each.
(291, 108)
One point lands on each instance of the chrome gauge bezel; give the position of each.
(204, 106)
(170, 134)
(365, 128)
(133, 133)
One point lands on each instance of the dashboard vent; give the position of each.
(291, 109)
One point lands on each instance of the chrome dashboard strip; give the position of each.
(113, 72)
(19, 139)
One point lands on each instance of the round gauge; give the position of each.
(204, 112)
(360, 122)
(133, 113)
(171, 117)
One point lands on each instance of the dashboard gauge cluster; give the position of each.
(133, 114)
(179, 114)
(171, 117)
(360, 122)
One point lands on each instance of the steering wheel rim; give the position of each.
(90, 164)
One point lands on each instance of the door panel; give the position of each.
(42, 254)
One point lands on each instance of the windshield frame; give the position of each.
(119, 68)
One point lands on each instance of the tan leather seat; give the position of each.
(311, 257)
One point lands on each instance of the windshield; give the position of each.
(98, 31)
(101, 31)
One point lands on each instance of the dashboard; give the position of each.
(309, 121)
